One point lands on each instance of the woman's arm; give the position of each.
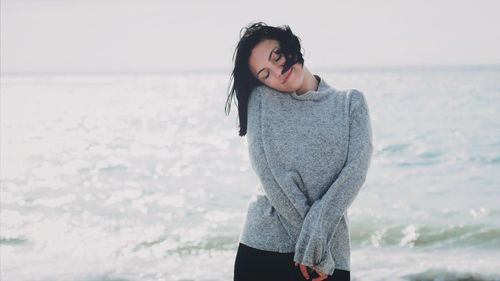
(321, 221)
(285, 196)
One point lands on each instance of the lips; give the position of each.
(287, 76)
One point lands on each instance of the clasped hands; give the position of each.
(305, 270)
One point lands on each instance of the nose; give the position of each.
(276, 69)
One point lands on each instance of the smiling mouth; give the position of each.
(287, 76)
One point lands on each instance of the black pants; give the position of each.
(257, 265)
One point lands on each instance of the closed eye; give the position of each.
(276, 59)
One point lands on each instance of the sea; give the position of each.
(143, 176)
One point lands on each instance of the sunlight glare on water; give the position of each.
(143, 177)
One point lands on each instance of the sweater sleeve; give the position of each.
(320, 223)
(285, 196)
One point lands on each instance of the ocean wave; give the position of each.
(434, 237)
(445, 275)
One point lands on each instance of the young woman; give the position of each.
(310, 146)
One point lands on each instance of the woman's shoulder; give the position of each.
(263, 90)
(255, 98)
(257, 89)
(357, 99)
(349, 93)
(351, 97)
(256, 95)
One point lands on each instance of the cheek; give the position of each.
(275, 83)
(298, 75)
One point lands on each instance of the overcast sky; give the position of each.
(171, 35)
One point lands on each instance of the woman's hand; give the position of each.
(305, 273)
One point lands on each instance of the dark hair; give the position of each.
(243, 81)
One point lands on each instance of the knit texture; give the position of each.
(311, 153)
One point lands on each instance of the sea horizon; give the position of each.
(348, 68)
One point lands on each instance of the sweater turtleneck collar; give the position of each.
(320, 93)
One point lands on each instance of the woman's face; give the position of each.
(266, 65)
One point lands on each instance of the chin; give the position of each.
(295, 84)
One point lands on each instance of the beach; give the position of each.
(141, 176)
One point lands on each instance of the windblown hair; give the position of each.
(243, 81)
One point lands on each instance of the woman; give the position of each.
(310, 146)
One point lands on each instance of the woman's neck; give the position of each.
(310, 83)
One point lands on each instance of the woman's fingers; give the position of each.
(303, 269)
(322, 276)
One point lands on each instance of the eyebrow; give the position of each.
(269, 58)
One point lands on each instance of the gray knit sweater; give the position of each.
(311, 153)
